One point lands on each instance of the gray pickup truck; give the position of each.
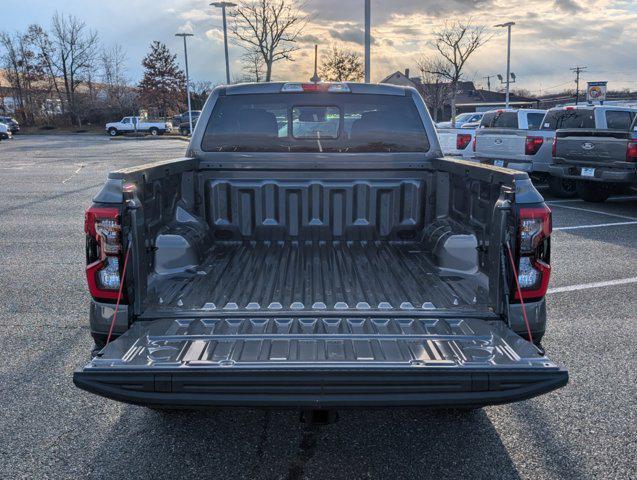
(313, 250)
(596, 147)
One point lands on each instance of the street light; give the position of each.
(184, 35)
(508, 25)
(223, 6)
(368, 38)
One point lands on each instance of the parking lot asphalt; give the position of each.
(50, 429)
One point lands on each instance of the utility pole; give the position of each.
(223, 6)
(508, 25)
(184, 35)
(315, 78)
(488, 79)
(368, 38)
(577, 71)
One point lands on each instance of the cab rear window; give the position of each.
(573, 118)
(499, 120)
(311, 122)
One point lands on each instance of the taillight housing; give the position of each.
(532, 144)
(463, 140)
(474, 144)
(631, 151)
(534, 269)
(103, 252)
(554, 147)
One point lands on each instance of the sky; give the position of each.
(550, 36)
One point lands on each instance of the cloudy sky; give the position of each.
(550, 36)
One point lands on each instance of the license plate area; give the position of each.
(588, 172)
(498, 163)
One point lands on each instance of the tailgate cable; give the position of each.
(119, 295)
(517, 285)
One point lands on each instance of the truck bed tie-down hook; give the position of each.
(517, 285)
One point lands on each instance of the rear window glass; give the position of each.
(618, 120)
(314, 122)
(534, 120)
(499, 120)
(575, 118)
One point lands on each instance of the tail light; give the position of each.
(463, 140)
(332, 87)
(631, 151)
(103, 252)
(473, 146)
(534, 267)
(532, 145)
(554, 148)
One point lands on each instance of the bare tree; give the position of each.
(23, 72)
(435, 88)
(113, 73)
(340, 65)
(269, 28)
(454, 43)
(68, 55)
(253, 66)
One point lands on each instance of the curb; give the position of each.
(150, 137)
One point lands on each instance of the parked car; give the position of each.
(513, 138)
(339, 264)
(11, 123)
(456, 142)
(5, 133)
(182, 121)
(596, 147)
(184, 127)
(461, 119)
(137, 124)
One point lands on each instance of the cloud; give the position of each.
(569, 6)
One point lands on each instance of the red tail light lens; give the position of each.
(473, 146)
(631, 151)
(532, 145)
(463, 140)
(534, 268)
(103, 252)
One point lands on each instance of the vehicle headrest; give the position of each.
(256, 122)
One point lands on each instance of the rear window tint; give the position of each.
(575, 118)
(314, 122)
(534, 120)
(499, 120)
(618, 120)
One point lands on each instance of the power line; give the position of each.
(577, 71)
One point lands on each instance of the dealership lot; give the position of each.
(51, 429)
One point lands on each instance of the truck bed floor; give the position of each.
(315, 276)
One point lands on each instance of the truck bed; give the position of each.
(317, 276)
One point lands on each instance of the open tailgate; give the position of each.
(310, 362)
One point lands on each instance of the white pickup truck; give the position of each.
(137, 124)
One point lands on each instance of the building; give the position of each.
(468, 97)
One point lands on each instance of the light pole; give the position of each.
(508, 25)
(184, 35)
(223, 6)
(368, 39)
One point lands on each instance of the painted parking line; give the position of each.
(596, 225)
(586, 286)
(588, 210)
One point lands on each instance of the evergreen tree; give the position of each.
(163, 86)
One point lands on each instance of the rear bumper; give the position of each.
(606, 175)
(321, 388)
(520, 165)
